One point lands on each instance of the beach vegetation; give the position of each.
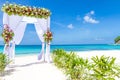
(77, 68)
(117, 39)
(3, 62)
(74, 67)
(104, 68)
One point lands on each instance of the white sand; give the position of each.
(29, 68)
(111, 53)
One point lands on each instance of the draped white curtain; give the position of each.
(18, 25)
(41, 56)
(19, 32)
(6, 50)
(12, 51)
(5, 19)
(43, 24)
(39, 31)
(41, 27)
(13, 22)
(48, 44)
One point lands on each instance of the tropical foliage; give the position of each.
(3, 62)
(7, 34)
(48, 36)
(117, 39)
(104, 68)
(76, 68)
(14, 9)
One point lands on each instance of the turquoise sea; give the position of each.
(35, 49)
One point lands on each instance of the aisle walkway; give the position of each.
(28, 68)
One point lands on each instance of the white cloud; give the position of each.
(70, 26)
(89, 19)
(92, 12)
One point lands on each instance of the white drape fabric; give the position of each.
(48, 22)
(18, 25)
(5, 19)
(29, 19)
(13, 22)
(48, 52)
(12, 51)
(41, 56)
(39, 31)
(41, 28)
(43, 24)
(19, 32)
(6, 50)
(48, 44)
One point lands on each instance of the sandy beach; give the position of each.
(111, 53)
(29, 68)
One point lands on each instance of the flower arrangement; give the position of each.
(48, 36)
(14, 9)
(7, 34)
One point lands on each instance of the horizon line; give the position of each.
(58, 44)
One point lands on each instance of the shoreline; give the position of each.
(28, 54)
(84, 54)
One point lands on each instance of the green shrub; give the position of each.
(3, 62)
(58, 56)
(104, 68)
(72, 65)
(117, 39)
(77, 68)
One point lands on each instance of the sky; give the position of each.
(75, 21)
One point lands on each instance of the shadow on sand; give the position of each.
(29, 64)
(7, 72)
(12, 68)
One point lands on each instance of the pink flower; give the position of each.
(10, 30)
(6, 26)
(7, 34)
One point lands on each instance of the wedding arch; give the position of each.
(17, 17)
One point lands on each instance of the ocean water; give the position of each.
(35, 49)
